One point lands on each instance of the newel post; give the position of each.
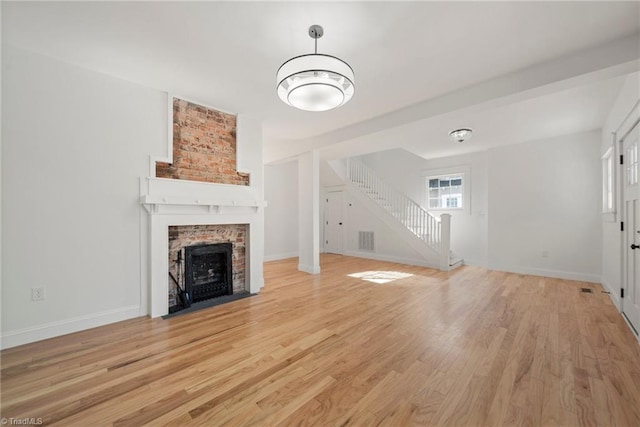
(445, 241)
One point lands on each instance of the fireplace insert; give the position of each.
(208, 271)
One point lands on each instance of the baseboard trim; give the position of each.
(278, 257)
(474, 263)
(391, 258)
(567, 275)
(309, 269)
(63, 327)
(614, 294)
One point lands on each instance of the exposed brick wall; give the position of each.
(204, 146)
(181, 236)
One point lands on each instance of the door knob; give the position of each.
(635, 246)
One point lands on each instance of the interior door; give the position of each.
(333, 236)
(631, 218)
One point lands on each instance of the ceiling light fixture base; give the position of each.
(316, 31)
(460, 135)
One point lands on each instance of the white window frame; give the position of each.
(609, 185)
(465, 172)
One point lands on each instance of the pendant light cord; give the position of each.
(316, 40)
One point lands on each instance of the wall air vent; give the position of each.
(365, 241)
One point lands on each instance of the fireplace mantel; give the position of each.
(161, 195)
(180, 202)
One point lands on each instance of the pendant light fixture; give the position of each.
(315, 82)
(460, 135)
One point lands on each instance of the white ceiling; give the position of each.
(226, 54)
(563, 112)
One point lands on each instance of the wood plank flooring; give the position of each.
(468, 348)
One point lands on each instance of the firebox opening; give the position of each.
(208, 271)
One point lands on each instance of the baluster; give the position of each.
(432, 230)
(414, 218)
(372, 183)
(405, 210)
(393, 202)
(395, 205)
(397, 209)
(365, 178)
(412, 208)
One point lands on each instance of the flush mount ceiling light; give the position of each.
(315, 82)
(460, 135)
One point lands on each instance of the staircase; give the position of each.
(428, 235)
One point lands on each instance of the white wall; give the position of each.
(387, 246)
(281, 215)
(611, 234)
(469, 226)
(525, 199)
(545, 196)
(75, 144)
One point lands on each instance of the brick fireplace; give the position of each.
(199, 197)
(185, 237)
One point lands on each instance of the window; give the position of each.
(608, 180)
(445, 192)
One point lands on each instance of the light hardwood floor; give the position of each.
(470, 347)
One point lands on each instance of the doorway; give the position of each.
(333, 222)
(630, 146)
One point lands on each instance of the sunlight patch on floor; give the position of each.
(380, 277)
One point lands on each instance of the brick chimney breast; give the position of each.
(204, 146)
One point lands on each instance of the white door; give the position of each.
(631, 218)
(333, 222)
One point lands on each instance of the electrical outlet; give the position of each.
(37, 294)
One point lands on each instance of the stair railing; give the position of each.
(433, 231)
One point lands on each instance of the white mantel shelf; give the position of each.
(160, 195)
(173, 204)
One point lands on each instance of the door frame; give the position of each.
(325, 193)
(628, 125)
(634, 126)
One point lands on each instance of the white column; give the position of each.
(309, 212)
